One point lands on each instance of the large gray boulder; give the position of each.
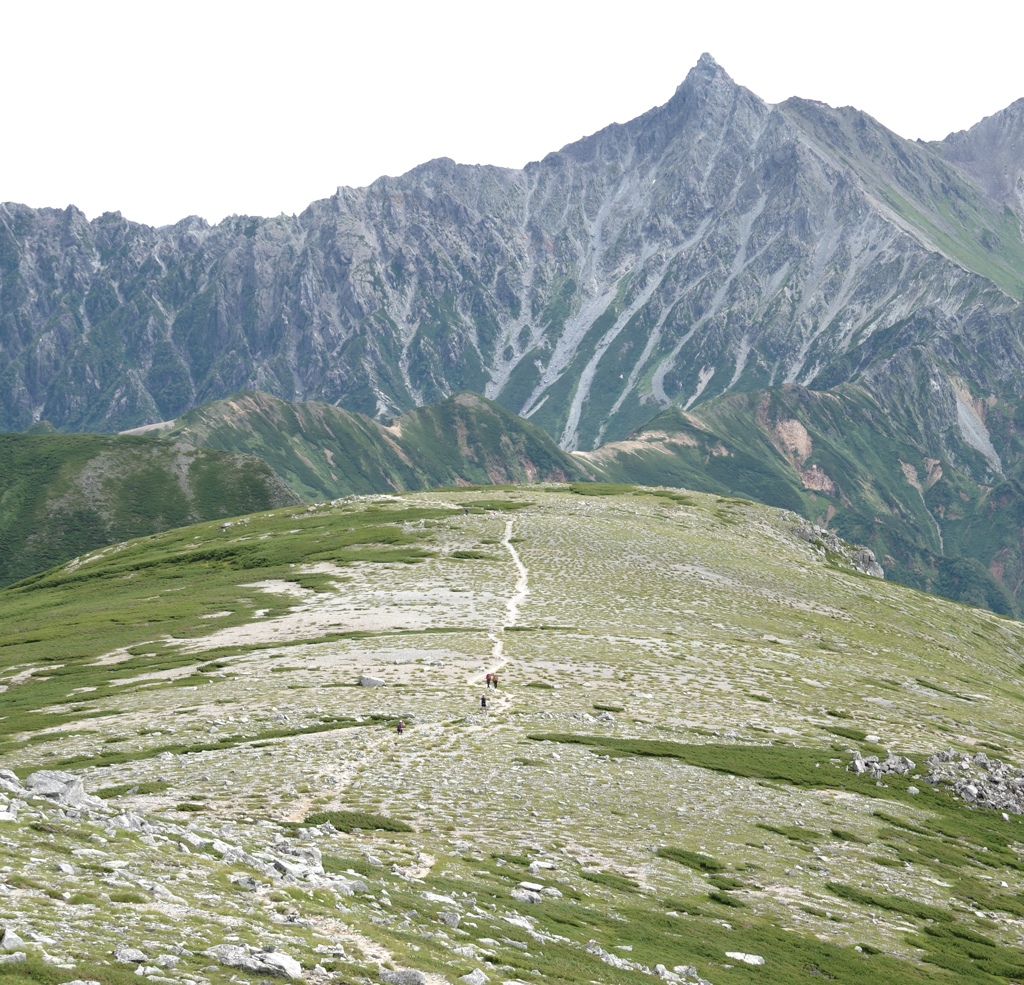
(275, 963)
(407, 976)
(64, 789)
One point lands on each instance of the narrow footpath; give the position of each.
(515, 600)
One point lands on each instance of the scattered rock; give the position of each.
(475, 977)
(899, 765)
(978, 780)
(11, 941)
(367, 681)
(405, 977)
(745, 958)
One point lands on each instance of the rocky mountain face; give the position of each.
(716, 243)
(715, 246)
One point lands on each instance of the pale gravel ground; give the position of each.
(654, 609)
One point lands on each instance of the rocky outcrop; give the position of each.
(859, 558)
(979, 780)
(976, 779)
(64, 789)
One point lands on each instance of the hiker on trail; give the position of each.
(400, 728)
(488, 681)
(483, 702)
(494, 681)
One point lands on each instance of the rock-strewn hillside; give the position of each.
(838, 458)
(715, 750)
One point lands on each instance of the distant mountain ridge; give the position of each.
(324, 452)
(714, 244)
(63, 495)
(714, 256)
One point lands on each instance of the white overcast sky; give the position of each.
(162, 110)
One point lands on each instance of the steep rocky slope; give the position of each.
(682, 775)
(714, 244)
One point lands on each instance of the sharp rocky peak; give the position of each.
(992, 152)
(707, 101)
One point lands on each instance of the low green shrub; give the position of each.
(351, 820)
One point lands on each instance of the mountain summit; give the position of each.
(714, 244)
(992, 152)
(714, 247)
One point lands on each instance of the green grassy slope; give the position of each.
(660, 777)
(325, 452)
(838, 459)
(62, 495)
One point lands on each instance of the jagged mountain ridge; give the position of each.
(714, 244)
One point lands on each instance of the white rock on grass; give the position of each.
(259, 962)
(406, 976)
(62, 788)
(475, 977)
(276, 963)
(745, 958)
